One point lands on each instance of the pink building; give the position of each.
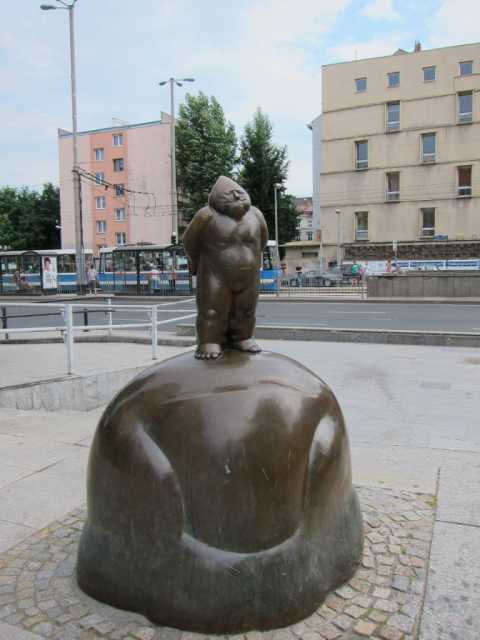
(125, 185)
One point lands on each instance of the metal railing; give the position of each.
(67, 311)
(291, 289)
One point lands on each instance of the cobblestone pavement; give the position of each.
(383, 600)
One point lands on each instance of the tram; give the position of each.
(39, 271)
(145, 269)
(161, 270)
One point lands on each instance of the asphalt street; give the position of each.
(342, 314)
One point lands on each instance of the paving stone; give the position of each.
(402, 622)
(145, 633)
(365, 628)
(389, 633)
(40, 582)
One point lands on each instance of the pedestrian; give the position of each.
(92, 278)
(355, 271)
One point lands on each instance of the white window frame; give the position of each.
(393, 125)
(122, 160)
(122, 217)
(360, 234)
(466, 116)
(392, 196)
(100, 202)
(123, 236)
(99, 154)
(431, 66)
(389, 75)
(309, 235)
(99, 177)
(423, 229)
(117, 140)
(428, 157)
(356, 84)
(101, 226)
(360, 165)
(460, 67)
(465, 191)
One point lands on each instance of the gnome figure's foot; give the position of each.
(208, 351)
(249, 346)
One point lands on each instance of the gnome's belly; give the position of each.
(243, 480)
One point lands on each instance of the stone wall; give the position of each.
(425, 285)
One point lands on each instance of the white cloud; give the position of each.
(455, 23)
(381, 9)
(381, 46)
(248, 54)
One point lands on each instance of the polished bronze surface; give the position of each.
(224, 242)
(220, 495)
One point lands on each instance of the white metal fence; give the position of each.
(68, 328)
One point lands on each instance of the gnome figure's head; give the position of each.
(229, 198)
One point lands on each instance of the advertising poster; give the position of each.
(49, 272)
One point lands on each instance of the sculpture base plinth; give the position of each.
(220, 495)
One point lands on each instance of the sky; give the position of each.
(247, 53)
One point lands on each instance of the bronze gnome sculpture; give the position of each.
(224, 242)
(220, 496)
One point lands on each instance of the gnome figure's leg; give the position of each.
(213, 301)
(241, 323)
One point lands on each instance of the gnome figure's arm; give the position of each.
(263, 227)
(193, 236)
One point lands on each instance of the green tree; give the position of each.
(205, 149)
(264, 164)
(28, 218)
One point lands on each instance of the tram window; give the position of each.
(182, 263)
(167, 261)
(66, 263)
(11, 265)
(107, 262)
(30, 264)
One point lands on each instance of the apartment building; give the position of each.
(397, 155)
(305, 228)
(125, 177)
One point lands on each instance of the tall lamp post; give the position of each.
(276, 187)
(339, 237)
(173, 175)
(77, 198)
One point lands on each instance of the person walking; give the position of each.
(92, 279)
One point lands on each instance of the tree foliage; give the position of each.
(264, 164)
(28, 218)
(205, 149)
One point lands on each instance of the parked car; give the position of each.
(330, 278)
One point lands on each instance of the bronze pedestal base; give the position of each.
(220, 495)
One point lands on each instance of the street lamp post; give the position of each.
(173, 168)
(276, 187)
(77, 197)
(339, 237)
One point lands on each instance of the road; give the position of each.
(348, 315)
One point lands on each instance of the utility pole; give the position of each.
(173, 167)
(77, 194)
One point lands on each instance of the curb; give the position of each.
(163, 341)
(377, 336)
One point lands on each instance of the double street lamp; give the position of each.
(173, 175)
(77, 202)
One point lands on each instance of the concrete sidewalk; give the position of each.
(412, 415)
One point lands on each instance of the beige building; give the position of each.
(125, 177)
(398, 155)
